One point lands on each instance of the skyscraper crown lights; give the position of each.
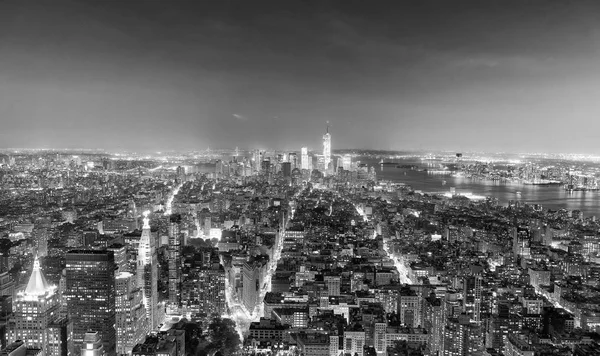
(37, 286)
(146, 219)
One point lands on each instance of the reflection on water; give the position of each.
(550, 197)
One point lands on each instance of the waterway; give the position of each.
(549, 197)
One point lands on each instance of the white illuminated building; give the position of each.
(147, 272)
(35, 309)
(304, 158)
(327, 149)
(347, 162)
(130, 313)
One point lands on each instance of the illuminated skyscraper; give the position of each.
(256, 160)
(434, 320)
(293, 159)
(472, 297)
(304, 158)
(252, 280)
(121, 259)
(461, 337)
(258, 157)
(521, 239)
(211, 288)
(90, 294)
(35, 309)
(147, 272)
(130, 313)
(347, 162)
(327, 149)
(174, 256)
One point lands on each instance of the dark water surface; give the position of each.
(550, 197)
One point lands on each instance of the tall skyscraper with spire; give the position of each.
(35, 309)
(147, 272)
(327, 148)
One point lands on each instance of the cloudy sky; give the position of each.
(506, 75)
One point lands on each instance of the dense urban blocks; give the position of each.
(234, 257)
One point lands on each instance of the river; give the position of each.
(549, 197)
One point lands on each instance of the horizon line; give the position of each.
(415, 150)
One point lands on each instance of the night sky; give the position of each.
(502, 75)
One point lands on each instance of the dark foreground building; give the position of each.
(90, 294)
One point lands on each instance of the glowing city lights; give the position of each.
(169, 205)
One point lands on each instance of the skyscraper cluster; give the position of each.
(106, 307)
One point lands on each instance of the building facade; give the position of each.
(35, 309)
(130, 313)
(90, 296)
(147, 272)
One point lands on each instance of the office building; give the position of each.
(90, 296)
(472, 297)
(409, 308)
(434, 321)
(156, 346)
(304, 158)
(174, 261)
(347, 162)
(293, 159)
(327, 150)
(35, 308)
(60, 333)
(130, 313)
(147, 272)
(461, 337)
(121, 260)
(354, 340)
(521, 239)
(334, 284)
(253, 274)
(211, 290)
(7, 290)
(18, 348)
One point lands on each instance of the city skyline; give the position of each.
(465, 76)
(299, 178)
(173, 255)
